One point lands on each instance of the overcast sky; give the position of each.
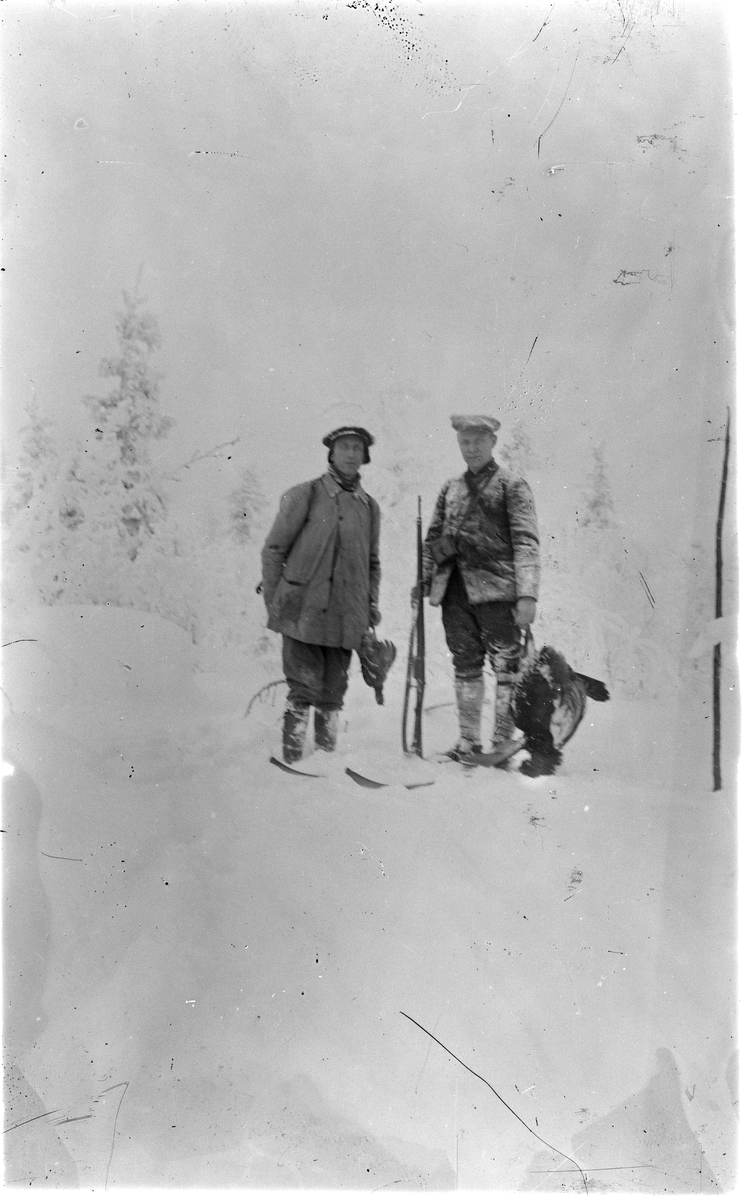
(386, 213)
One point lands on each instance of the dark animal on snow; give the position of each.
(548, 704)
(376, 662)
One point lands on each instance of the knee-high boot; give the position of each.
(326, 728)
(469, 699)
(295, 721)
(504, 730)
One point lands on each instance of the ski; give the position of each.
(491, 758)
(364, 781)
(292, 770)
(494, 758)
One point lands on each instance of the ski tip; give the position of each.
(363, 780)
(293, 771)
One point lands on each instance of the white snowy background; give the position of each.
(377, 213)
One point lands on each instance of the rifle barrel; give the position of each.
(417, 741)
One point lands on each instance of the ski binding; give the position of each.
(491, 758)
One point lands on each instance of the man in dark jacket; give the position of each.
(321, 577)
(481, 564)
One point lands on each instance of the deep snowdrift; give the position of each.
(207, 961)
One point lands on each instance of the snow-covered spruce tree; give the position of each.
(236, 614)
(114, 486)
(120, 545)
(610, 612)
(246, 503)
(516, 452)
(34, 530)
(597, 511)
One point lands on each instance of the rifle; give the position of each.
(416, 656)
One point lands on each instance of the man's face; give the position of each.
(347, 456)
(476, 447)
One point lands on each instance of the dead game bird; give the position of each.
(548, 704)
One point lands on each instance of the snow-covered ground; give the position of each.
(213, 971)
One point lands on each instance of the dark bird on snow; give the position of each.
(549, 702)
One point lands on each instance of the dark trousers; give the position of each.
(478, 631)
(316, 675)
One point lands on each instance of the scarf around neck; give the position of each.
(348, 485)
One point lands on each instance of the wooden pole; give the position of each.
(716, 754)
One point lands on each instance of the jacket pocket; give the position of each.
(289, 601)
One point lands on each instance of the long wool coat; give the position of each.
(497, 543)
(321, 569)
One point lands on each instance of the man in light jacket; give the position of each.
(481, 564)
(321, 576)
